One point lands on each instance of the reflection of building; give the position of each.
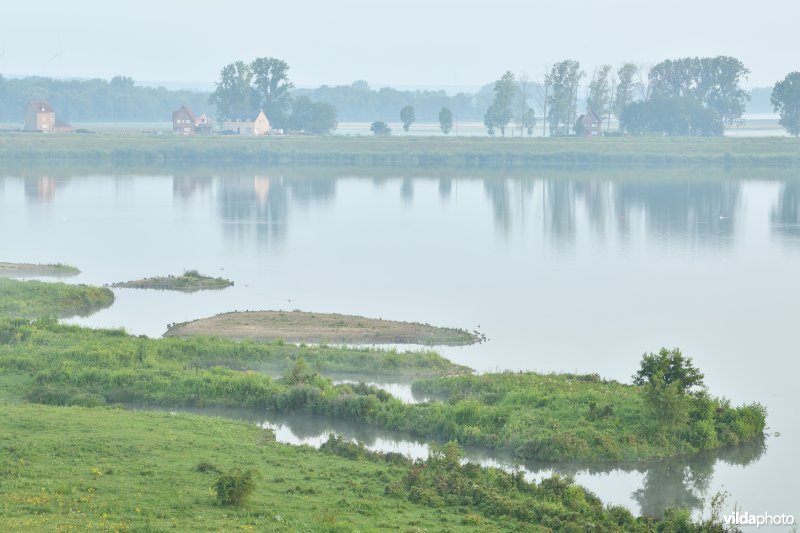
(40, 116)
(261, 188)
(185, 187)
(40, 189)
(249, 125)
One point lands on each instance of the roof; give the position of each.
(244, 116)
(41, 106)
(186, 110)
(62, 123)
(591, 114)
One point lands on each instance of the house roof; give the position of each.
(186, 111)
(40, 106)
(62, 123)
(244, 116)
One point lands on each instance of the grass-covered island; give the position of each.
(189, 281)
(71, 468)
(299, 326)
(536, 417)
(29, 270)
(32, 299)
(401, 151)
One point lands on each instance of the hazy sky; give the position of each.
(445, 43)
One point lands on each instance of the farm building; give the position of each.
(40, 116)
(247, 125)
(589, 125)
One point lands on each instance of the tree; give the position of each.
(626, 89)
(407, 116)
(670, 381)
(380, 127)
(271, 87)
(529, 121)
(785, 100)
(445, 120)
(712, 81)
(599, 99)
(565, 76)
(678, 115)
(233, 96)
(318, 118)
(499, 113)
(670, 366)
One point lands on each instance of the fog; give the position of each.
(448, 44)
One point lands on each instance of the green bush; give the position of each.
(235, 487)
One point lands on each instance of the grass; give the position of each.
(71, 468)
(298, 326)
(189, 281)
(13, 270)
(405, 151)
(33, 299)
(536, 417)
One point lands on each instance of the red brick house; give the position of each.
(183, 121)
(589, 125)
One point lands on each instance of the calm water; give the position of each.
(564, 271)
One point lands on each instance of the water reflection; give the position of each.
(674, 482)
(187, 187)
(40, 190)
(785, 215)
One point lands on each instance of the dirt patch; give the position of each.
(298, 326)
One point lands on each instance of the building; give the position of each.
(40, 116)
(589, 125)
(247, 125)
(183, 121)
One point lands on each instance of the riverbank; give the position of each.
(30, 270)
(189, 281)
(34, 299)
(535, 417)
(320, 328)
(400, 151)
(68, 467)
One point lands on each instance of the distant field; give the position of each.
(399, 150)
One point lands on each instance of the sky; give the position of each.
(444, 44)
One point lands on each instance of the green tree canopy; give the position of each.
(677, 116)
(626, 89)
(785, 100)
(499, 113)
(599, 99)
(407, 117)
(445, 120)
(318, 118)
(380, 127)
(669, 366)
(564, 78)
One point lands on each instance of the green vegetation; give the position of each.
(23, 270)
(32, 299)
(537, 417)
(785, 100)
(407, 117)
(67, 468)
(445, 120)
(380, 127)
(299, 326)
(190, 281)
(405, 151)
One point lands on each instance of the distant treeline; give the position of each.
(358, 102)
(120, 99)
(117, 100)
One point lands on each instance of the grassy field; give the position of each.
(24, 270)
(33, 299)
(402, 151)
(71, 468)
(298, 326)
(536, 417)
(189, 281)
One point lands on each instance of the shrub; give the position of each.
(235, 487)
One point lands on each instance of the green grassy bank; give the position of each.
(399, 151)
(536, 417)
(32, 299)
(70, 468)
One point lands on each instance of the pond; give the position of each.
(577, 271)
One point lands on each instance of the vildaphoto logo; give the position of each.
(738, 518)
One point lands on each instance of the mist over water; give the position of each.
(578, 271)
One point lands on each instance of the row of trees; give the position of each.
(263, 84)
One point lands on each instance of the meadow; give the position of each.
(33, 299)
(399, 151)
(70, 468)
